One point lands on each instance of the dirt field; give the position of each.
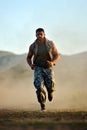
(49, 120)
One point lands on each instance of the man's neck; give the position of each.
(42, 41)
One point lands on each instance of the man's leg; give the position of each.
(49, 82)
(41, 96)
(38, 83)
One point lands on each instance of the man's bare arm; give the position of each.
(56, 55)
(29, 58)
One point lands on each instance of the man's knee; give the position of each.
(41, 95)
(51, 86)
(37, 84)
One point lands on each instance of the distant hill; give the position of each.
(69, 70)
(9, 60)
(72, 70)
(5, 53)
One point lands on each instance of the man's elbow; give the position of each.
(57, 57)
(27, 59)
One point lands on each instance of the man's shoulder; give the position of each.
(49, 42)
(32, 45)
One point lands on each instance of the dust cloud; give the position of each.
(17, 90)
(21, 94)
(17, 94)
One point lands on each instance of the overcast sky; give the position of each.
(64, 21)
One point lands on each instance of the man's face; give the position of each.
(40, 35)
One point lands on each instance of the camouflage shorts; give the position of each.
(44, 77)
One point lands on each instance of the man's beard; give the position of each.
(40, 40)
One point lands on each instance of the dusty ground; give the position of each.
(49, 120)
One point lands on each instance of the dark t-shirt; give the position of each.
(42, 56)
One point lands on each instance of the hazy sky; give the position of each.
(64, 21)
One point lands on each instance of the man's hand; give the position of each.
(50, 63)
(32, 66)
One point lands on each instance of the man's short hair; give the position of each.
(39, 30)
